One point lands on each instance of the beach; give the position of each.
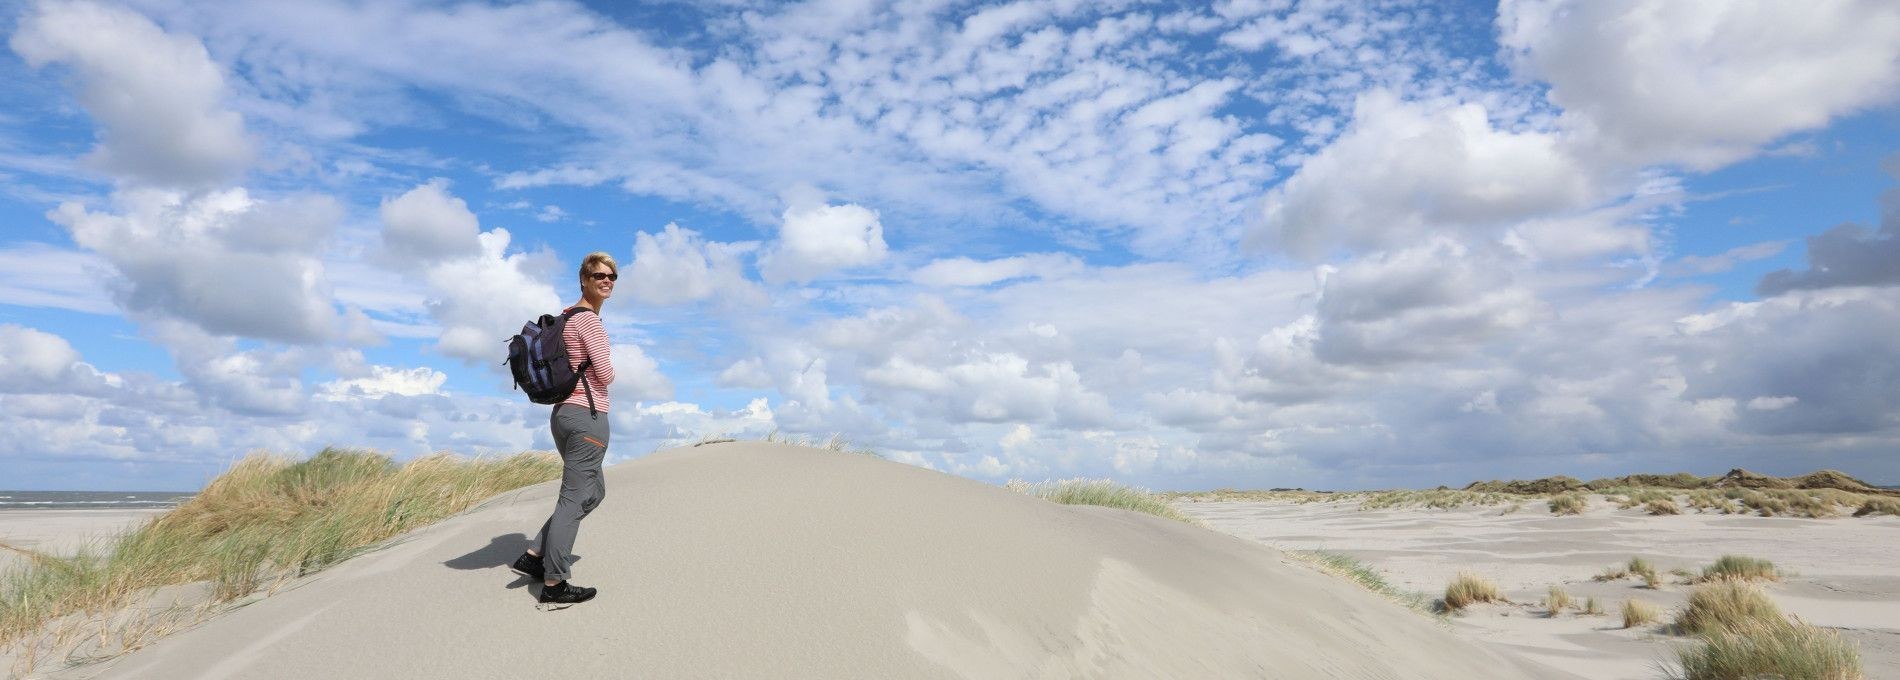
(1838, 573)
(64, 532)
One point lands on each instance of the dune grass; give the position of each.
(1784, 650)
(1103, 492)
(1557, 601)
(1469, 589)
(1569, 504)
(1612, 573)
(1740, 567)
(1641, 567)
(266, 519)
(1662, 506)
(1352, 569)
(1639, 612)
(1591, 607)
(1726, 605)
(1436, 499)
(1878, 506)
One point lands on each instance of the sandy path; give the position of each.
(1844, 573)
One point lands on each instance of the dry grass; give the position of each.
(1612, 573)
(1569, 504)
(1591, 607)
(1638, 612)
(1350, 568)
(1739, 567)
(267, 519)
(1783, 650)
(1662, 506)
(1103, 492)
(1878, 506)
(1726, 605)
(1468, 589)
(1557, 601)
(1437, 499)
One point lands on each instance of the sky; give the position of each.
(1247, 244)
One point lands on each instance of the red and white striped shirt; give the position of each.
(587, 341)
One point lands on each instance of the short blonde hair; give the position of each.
(594, 258)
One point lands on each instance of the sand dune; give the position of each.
(761, 560)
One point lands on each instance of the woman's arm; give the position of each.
(594, 343)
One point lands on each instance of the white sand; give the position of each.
(754, 560)
(1844, 570)
(63, 532)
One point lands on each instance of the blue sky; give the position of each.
(1243, 244)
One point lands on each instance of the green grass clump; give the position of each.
(1783, 650)
(1662, 506)
(1437, 499)
(1568, 504)
(267, 518)
(1103, 492)
(1638, 612)
(1726, 605)
(1339, 564)
(1557, 601)
(1591, 607)
(1738, 567)
(1612, 573)
(1643, 568)
(1641, 496)
(1469, 589)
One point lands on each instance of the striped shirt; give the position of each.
(587, 341)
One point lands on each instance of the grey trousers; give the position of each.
(583, 443)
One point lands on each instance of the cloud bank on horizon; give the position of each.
(1251, 243)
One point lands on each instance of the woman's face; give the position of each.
(599, 283)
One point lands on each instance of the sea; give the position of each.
(91, 500)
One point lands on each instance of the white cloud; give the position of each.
(678, 266)
(158, 97)
(229, 263)
(816, 239)
(1407, 170)
(1431, 302)
(1702, 82)
(383, 381)
(35, 361)
(482, 300)
(426, 224)
(39, 275)
(637, 377)
(963, 271)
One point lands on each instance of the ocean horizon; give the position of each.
(92, 500)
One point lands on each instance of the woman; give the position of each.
(580, 432)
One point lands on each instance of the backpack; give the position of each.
(538, 357)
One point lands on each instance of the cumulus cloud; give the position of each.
(677, 266)
(231, 264)
(426, 225)
(482, 300)
(158, 97)
(35, 361)
(383, 381)
(1431, 302)
(816, 239)
(637, 377)
(1706, 82)
(1406, 170)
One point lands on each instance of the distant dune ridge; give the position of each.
(1735, 479)
(752, 559)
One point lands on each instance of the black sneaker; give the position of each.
(563, 595)
(529, 566)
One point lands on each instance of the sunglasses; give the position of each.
(604, 275)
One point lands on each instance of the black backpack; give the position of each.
(538, 358)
